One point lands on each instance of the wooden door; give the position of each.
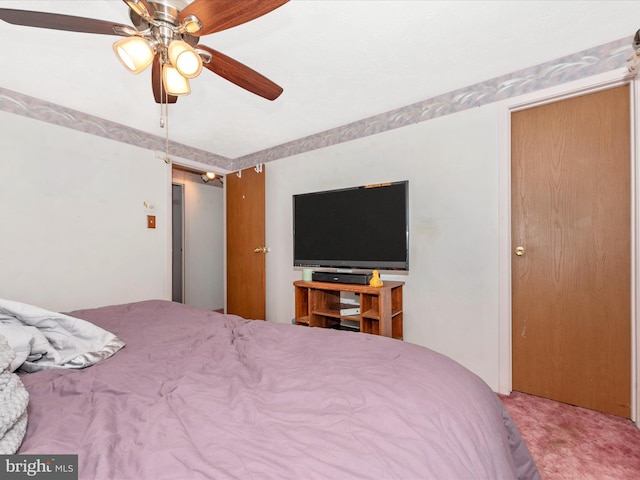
(571, 282)
(245, 233)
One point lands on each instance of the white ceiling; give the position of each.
(338, 62)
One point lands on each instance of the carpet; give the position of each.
(573, 443)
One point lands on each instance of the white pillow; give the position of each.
(57, 340)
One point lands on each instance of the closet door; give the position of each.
(571, 264)
(246, 265)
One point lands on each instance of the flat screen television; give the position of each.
(364, 227)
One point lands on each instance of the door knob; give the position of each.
(520, 251)
(260, 250)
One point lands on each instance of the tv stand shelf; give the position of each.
(318, 305)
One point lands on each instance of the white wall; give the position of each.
(451, 291)
(204, 242)
(72, 218)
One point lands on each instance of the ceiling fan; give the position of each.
(165, 35)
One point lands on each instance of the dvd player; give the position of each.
(339, 277)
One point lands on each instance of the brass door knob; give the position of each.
(520, 251)
(260, 250)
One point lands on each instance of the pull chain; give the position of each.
(164, 116)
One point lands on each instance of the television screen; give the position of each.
(363, 227)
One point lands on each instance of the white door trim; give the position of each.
(580, 87)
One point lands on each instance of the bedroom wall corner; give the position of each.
(74, 221)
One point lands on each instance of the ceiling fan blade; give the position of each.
(159, 93)
(56, 21)
(241, 75)
(217, 15)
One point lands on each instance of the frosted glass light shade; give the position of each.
(174, 83)
(134, 53)
(192, 24)
(185, 59)
(138, 7)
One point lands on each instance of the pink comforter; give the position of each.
(197, 394)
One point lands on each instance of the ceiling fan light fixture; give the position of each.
(208, 176)
(138, 7)
(185, 59)
(191, 24)
(174, 83)
(135, 53)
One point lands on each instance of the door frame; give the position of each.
(561, 92)
(193, 168)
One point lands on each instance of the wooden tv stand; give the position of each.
(318, 305)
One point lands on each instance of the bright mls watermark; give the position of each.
(39, 467)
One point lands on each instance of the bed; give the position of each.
(198, 394)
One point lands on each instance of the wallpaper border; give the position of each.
(593, 61)
(19, 104)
